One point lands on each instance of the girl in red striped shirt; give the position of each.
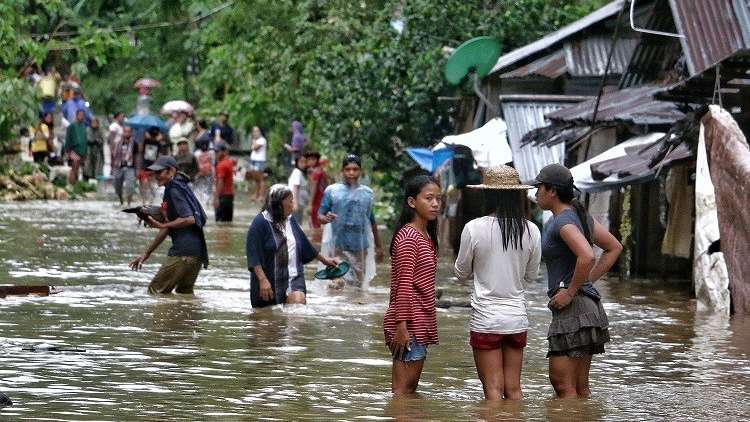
(410, 323)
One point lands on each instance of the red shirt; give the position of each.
(225, 173)
(413, 267)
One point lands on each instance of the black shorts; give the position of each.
(225, 211)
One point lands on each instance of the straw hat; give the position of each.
(500, 177)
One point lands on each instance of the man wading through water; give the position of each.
(184, 221)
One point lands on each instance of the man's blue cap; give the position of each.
(163, 162)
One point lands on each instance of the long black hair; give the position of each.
(566, 195)
(274, 202)
(508, 207)
(412, 188)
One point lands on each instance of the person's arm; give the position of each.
(177, 223)
(141, 152)
(137, 263)
(611, 247)
(464, 266)
(324, 212)
(313, 186)
(266, 291)
(585, 259)
(379, 254)
(535, 257)
(254, 252)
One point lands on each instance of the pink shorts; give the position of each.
(488, 341)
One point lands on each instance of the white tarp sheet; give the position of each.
(489, 143)
(710, 276)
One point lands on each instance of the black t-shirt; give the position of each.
(186, 241)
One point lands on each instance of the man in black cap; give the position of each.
(183, 222)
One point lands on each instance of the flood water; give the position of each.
(103, 349)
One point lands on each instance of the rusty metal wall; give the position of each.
(729, 163)
(711, 28)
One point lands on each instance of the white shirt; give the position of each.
(291, 249)
(260, 153)
(181, 132)
(118, 130)
(297, 178)
(497, 301)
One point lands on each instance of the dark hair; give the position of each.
(352, 158)
(24, 131)
(117, 114)
(508, 208)
(202, 123)
(566, 195)
(153, 130)
(412, 188)
(296, 161)
(312, 154)
(274, 202)
(51, 124)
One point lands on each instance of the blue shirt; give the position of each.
(354, 215)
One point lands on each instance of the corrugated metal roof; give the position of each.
(712, 30)
(561, 34)
(552, 66)
(635, 105)
(588, 56)
(522, 117)
(656, 55)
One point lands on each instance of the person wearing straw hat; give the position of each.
(579, 327)
(502, 250)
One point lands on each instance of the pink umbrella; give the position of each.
(176, 105)
(147, 83)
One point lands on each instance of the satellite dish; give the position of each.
(478, 55)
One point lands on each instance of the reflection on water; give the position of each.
(209, 357)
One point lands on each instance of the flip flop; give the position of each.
(332, 272)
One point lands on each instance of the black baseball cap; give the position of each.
(163, 162)
(555, 174)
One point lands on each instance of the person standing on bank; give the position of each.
(184, 222)
(258, 158)
(123, 166)
(579, 327)
(502, 250)
(410, 323)
(298, 186)
(348, 208)
(76, 145)
(277, 250)
(224, 191)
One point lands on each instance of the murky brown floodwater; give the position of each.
(128, 356)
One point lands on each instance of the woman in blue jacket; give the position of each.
(277, 251)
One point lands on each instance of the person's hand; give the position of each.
(329, 262)
(328, 217)
(137, 263)
(379, 253)
(400, 343)
(288, 147)
(153, 223)
(266, 292)
(561, 299)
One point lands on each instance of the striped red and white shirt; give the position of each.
(413, 267)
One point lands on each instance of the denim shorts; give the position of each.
(416, 353)
(257, 165)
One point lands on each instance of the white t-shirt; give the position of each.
(260, 153)
(497, 300)
(297, 178)
(118, 130)
(291, 249)
(181, 132)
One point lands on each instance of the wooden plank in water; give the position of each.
(27, 290)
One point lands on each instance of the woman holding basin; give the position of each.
(277, 250)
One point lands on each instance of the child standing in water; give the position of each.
(410, 323)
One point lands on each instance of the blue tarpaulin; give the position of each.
(428, 159)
